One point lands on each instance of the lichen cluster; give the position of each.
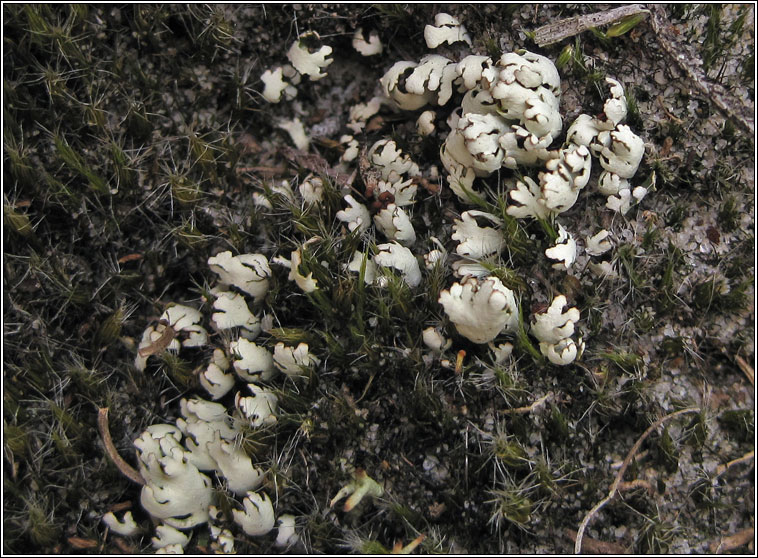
(509, 118)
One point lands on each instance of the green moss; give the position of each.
(656, 536)
(696, 431)
(42, 531)
(510, 452)
(719, 38)
(729, 214)
(558, 428)
(668, 454)
(627, 255)
(626, 361)
(15, 438)
(511, 506)
(178, 370)
(740, 423)
(709, 295)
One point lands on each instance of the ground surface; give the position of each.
(134, 140)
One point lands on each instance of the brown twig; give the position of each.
(620, 475)
(732, 541)
(595, 546)
(124, 546)
(127, 470)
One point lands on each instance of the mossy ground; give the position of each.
(134, 137)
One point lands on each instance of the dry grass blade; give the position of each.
(127, 470)
(595, 546)
(529, 408)
(721, 469)
(746, 369)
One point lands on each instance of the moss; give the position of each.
(668, 454)
(740, 423)
(729, 214)
(511, 506)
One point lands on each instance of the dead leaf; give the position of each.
(124, 546)
(130, 258)
(376, 123)
(160, 344)
(121, 506)
(80, 543)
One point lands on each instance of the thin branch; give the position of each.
(620, 475)
(127, 470)
(555, 32)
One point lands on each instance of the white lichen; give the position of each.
(294, 127)
(254, 363)
(356, 215)
(275, 86)
(361, 486)
(563, 251)
(286, 535)
(368, 47)
(425, 123)
(294, 361)
(434, 340)
(259, 408)
(126, 526)
(554, 328)
(247, 272)
(232, 311)
(480, 309)
(396, 225)
(306, 62)
(475, 241)
(400, 258)
(598, 244)
(306, 282)
(257, 516)
(446, 29)
(215, 378)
